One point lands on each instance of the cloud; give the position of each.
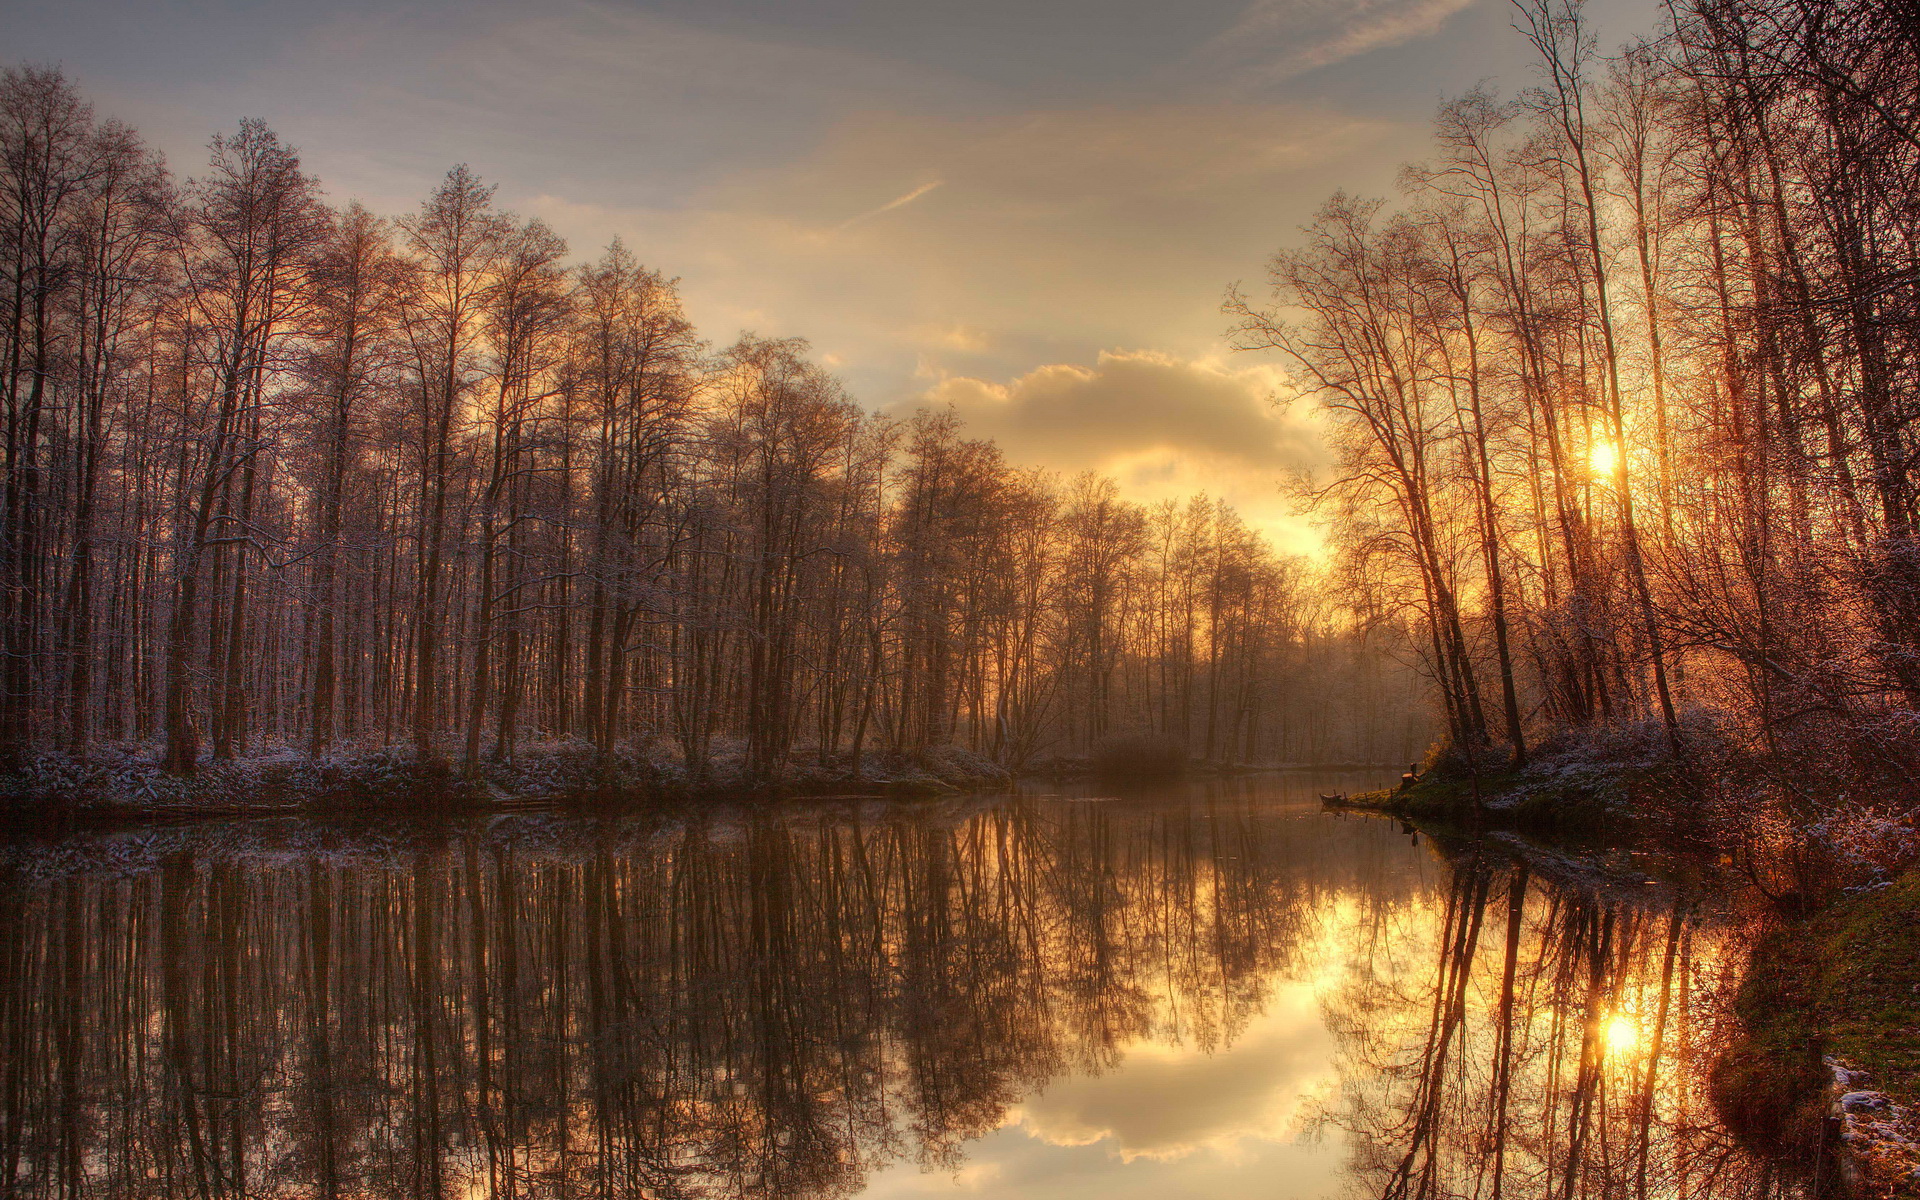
(1052, 235)
(1163, 427)
(1070, 416)
(889, 206)
(1276, 39)
(584, 98)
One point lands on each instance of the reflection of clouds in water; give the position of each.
(1166, 1102)
(1175, 1121)
(1013, 1165)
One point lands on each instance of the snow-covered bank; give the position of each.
(126, 782)
(1794, 824)
(1609, 782)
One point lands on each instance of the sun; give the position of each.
(1621, 1035)
(1605, 457)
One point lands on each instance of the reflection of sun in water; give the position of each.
(1621, 1035)
(1605, 457)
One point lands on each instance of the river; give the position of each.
(1212, 990)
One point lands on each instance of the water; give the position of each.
(1215, 991)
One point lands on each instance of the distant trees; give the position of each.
(282, 476)
(1624, 397)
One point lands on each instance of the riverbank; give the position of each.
(121, 785)
(1616, 783)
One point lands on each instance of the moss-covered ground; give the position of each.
(1843, 983)
(1869, 983)
(1590, 802)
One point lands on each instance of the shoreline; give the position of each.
(64, 793)
(61, 792)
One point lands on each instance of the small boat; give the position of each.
(1333, 798)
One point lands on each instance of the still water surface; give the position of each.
(1214, 991)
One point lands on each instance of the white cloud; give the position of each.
(897, 202)
(1276, 39)
(1071, 416)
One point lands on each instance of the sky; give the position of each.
(1026, 209)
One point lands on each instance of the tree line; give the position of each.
(1625, 390)
(280, 475)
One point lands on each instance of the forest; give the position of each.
(1621, 398)
(1624, 392)
(287, 478)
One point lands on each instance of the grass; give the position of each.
(1768, 1084)
(1436, 794)
(1869, 992)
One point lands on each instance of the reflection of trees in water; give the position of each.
(775, 1006)
(1525, 1037)
(554, 1008)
